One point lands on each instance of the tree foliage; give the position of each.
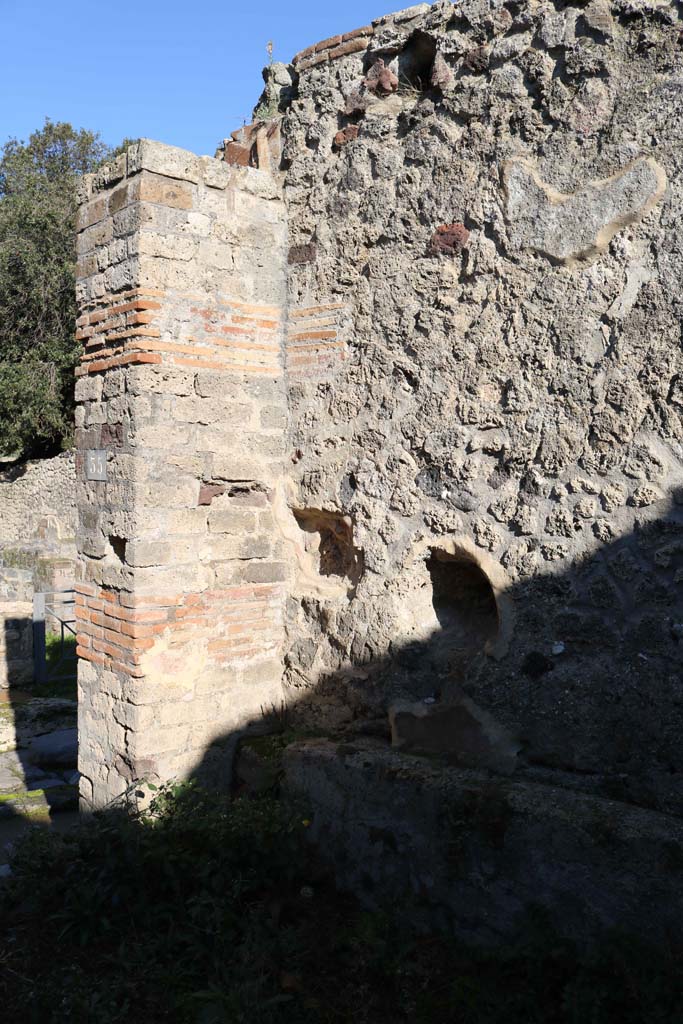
(37, 284)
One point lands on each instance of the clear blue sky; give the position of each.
(186, 73)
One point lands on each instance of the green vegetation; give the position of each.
(211, 912)
(37, 284)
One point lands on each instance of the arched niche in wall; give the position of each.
(456, 609)
(328, 539)
(470, 592)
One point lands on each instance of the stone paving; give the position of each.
(38, 754)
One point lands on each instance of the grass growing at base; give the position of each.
(211, 912)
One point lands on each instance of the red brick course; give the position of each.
(129, 328)
(353, 46)
(243, 621)
(334, 47)
(314, 347)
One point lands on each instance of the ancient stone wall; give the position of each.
(487, 196)
(16, 644)
(37, 552)
(37, 527)
(30, 492)
(416, 381)
(181, 294)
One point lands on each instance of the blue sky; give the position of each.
(186, 73)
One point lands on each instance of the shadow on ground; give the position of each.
(551, 777)
(216, 909)
(38, 738)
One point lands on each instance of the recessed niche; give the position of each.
(465, 609)
(416, 60)
(328, 537)
(117, 546)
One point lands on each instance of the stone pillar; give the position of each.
(182, 409)
(16, 644)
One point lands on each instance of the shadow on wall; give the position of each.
(532, 760)
(585, 683)
(38, 737)
(476, 809)
(13, 469)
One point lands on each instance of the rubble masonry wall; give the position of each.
(446, 324)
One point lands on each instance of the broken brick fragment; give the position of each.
(207, 492)
(238, 155)
(347, 134)
(449, 239)
(380, 79)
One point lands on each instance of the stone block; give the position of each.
(458, 730)
(57, 749)
(160, 739)
(227, 520)
(163, 436)
(108, 174)
(91, 238)
(186, 520)
(123, 276)
(215, 174)
(95, 412)
(173, 713)
(149, 552)
(162, 245)
(119, 198)
(160, 380)
(221, 547)
(256, 546)
(91, 212)
(236, 467)
(265, 572)
(183, 492)
(92, 545)
(169, 275)
(170, 161)
(165, 191)
(193, 409)
(580, 225)
(117, 251)
(87, 265)
(113, 383)
(227, 573)
(215, 253)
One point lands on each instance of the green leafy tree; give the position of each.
(37, 284)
